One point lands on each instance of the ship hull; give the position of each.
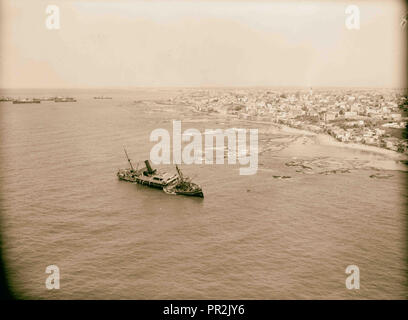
(196, 192)
(171, 184)
(150, 184)
(199, 194)
(143, 182)
(149, 181)
(31, 101)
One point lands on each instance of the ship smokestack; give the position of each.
(149, 168)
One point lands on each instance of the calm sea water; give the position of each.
(251, 237)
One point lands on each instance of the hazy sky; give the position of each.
(201, 43)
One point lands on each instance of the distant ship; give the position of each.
(171, 184)
(48, 99)
(17, 101)
(61, 99)
(102, 97)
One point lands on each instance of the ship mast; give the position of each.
(179, 173)
(128, 159)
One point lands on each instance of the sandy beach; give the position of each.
(328, 140)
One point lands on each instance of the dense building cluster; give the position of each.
(372, 117)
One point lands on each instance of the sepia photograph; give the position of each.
(203, 150)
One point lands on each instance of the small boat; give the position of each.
(102, 97)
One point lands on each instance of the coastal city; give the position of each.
(372, 117)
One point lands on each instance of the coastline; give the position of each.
(329, 140)
(326, 139)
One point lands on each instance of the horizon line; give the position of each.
(196, 86)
